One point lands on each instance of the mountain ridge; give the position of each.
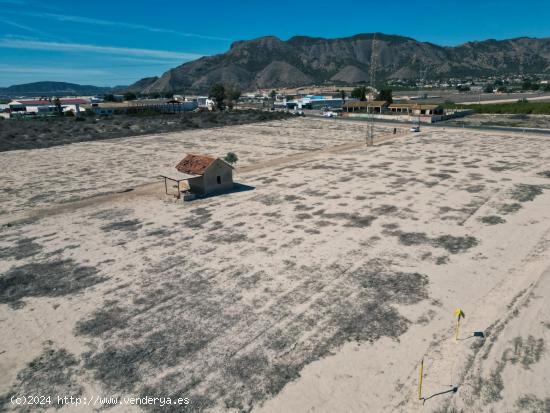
(269, 62)
(46, 88)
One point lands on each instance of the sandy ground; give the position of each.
(36, 178)
(514, 121)
(320, 289)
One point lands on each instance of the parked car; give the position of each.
(330, 114)
(415, 128)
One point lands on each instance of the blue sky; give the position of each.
(117, 42)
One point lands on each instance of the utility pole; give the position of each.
(372, 81)
(420, 88)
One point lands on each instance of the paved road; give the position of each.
(439, 125)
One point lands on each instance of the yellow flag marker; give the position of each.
(458, 314)
(420, 382)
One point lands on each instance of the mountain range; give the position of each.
(48, 88)
(269, 62)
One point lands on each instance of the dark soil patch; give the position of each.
(455, 244)
(385, 210)
(545, 174)
(442, 260)
(526, 352)
(492, 220)
(122, 367)
(52, 374)
(475, 188)
(441, 175)
(451, 243)
(23, 248)
(509, 208)
(226, 237)
(131, 225)
(399, 287)
(353, 220)
(103, 320)
(526, 192)
(45, 279)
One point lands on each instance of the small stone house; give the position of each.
(211, 175)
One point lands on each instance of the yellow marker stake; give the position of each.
(459, 314)
(420, 382)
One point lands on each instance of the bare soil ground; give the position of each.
(512, 121)
(53, 131)
(66, 173)
(318, 290)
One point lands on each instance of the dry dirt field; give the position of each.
(36, 178)
(45, 132)
(320, 289)
(510, 121)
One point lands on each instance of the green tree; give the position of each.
(58, 108)
(109, 98)
(130, 96)
(273, 94)
(231, 158)
(232, 94)
(488, 88)
(343, 95)
(154, 95)
(385, 95)
(359, 93)
(502, 89)
(546, 87)
(217, 92)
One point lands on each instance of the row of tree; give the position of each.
(225, 96)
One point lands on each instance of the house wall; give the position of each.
(221, 169)
(196, 185)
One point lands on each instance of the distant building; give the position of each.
(45, 106)
(416, 109)
(375, 106)
(205, 102)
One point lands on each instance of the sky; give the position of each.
(117, 42)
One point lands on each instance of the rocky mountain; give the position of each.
(269, 62)
(53, 89)
(141, 84)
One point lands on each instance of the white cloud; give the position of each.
(100, 22)
(12, 43)
(48, 71)
(29, 29)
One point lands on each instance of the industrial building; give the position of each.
(45, 106)
(375, 106)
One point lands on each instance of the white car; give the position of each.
(329, 114)
(415, 129)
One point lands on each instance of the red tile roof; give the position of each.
(43, 102)
(194, 164)
(35, 102)
(73, 101)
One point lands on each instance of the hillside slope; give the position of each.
(270, 62)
